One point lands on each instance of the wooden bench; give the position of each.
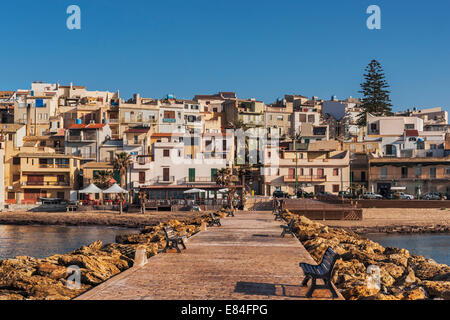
(214, 221)
(172, 240)
(277, 214)
(288, 228)
(322, 271)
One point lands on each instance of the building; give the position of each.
(43, 175)
(317, 167)
(247, 112)
(278, 118)
(84, 140)
(416, 176)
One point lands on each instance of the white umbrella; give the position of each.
(194, 190)
(115, 188)
(92, 188)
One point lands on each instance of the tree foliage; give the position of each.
(376, 100)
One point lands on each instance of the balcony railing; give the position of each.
(165, 179)
(313, 178)
(56, 165)
(71, 138)
(189, 180)
(46, 183)
(411, 177)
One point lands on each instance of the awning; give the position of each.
(398, 188)
(115, 188)
(194, 190)
(92, 188)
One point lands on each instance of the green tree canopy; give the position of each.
(376, 98)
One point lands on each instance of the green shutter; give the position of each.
(213, 174)
(191, 174)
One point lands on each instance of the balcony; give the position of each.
(81, 138)
(46, 184)
(142, 163)
(408, 178)
(313, 178)
(198, 180)
(165, 179)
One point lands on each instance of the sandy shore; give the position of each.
(375, 219)
(132, 220)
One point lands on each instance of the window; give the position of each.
(16, 177)
(335, 172)
(373, 127)
(166, 153)
(433, 146)
(432, 172)
(335, 188)
(383, 172)
(16, 160)
(409, 126)
(311, 118)
(11, 196)
(142, 177)
(418, 171)
(404, 172)
(447, 170)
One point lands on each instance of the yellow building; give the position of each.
(42, 175)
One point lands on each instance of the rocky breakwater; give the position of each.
(402, 276)
(38, 279)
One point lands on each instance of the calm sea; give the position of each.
(44, 241)
(434, 246)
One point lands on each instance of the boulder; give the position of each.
(437, 289)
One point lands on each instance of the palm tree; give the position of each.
(223, 179)
(102, 179)
(121, 162)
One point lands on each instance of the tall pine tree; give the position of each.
(376, 99)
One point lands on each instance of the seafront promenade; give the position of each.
(245, 258)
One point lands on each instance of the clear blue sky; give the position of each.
(260, 49)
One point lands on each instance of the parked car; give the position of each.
(345, 195)
(433, 196)
(280, 194)
(405, 196)
(372, 196)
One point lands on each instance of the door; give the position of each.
(166, 174)
(191, 174)
(291, 173)
(320, 173)
(142, 177)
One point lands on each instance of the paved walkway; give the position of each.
(244, 259)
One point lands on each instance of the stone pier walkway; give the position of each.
(244, 259)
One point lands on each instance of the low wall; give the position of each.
(366, 203)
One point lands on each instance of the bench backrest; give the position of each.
(169, 232)
(328, 260)
(291, 223)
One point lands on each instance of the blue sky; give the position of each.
(260, 49)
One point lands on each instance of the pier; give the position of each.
(244, 259)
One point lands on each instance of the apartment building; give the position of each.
(248, 112)
(84, 140)
(302, 117)
(278, 118)
(135, 112)
(416, 175)
(42, 175)
(168, 171)
(316, 167)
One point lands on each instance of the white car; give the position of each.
(371, 195)
(405, 196)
